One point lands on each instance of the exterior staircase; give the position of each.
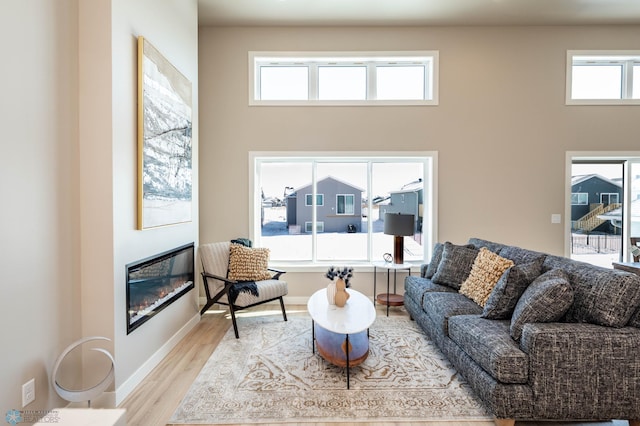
(590, 221)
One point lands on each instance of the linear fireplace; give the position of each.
(156, 282)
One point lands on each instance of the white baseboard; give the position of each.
(136, 378)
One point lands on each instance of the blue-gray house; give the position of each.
(339, 207)
(407, 200)
(591, 196)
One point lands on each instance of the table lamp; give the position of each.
(399, 225)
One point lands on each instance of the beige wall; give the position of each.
(501, 129)
(38, 182)
(108, 87)
(68, 182)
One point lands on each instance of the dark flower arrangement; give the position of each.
(345, 273)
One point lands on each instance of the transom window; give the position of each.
(346, 224)
(601, 78)
(343, 78)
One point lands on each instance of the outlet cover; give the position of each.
(556, 218)
(28, 392)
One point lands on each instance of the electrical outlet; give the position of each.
(28, 392)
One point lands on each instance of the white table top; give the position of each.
(356, 316)
(391, 265)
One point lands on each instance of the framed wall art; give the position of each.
(164, 141)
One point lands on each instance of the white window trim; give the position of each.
(617, 55)
(429, 221)
(570, 157)
(431, 84)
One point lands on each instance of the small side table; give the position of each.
(633, 267)
(388, 298)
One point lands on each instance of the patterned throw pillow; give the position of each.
(248, 264)
(435, 260)
(455, 265)
(547, 299)
(485, 273)
(505, 295)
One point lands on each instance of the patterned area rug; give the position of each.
(271, 375)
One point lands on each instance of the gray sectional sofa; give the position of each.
(556, 339)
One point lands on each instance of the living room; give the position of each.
(501, 129)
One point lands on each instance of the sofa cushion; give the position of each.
(439, 307)
(505, 295)
(520, 255)
(635, 319)
(545, 300)
(485, 273)
(479, 243)
(608, 297)
(489, 343)
(416, 287)
(455, 265)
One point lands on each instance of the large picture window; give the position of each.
(346, 223)
(343, 78)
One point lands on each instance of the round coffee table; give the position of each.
(335, 329)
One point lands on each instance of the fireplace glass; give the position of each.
(156, 282)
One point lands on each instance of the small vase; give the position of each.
(331, 293)
(341, 293)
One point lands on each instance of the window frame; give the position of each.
(430, 185)
(310, 196)
(579, 194)
(353, 198)
(625, 58)
(314, 60)
(609, 195)
(308, 227)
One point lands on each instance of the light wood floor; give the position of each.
(153, 402)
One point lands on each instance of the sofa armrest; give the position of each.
(583, 371)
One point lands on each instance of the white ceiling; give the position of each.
(417, 12)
